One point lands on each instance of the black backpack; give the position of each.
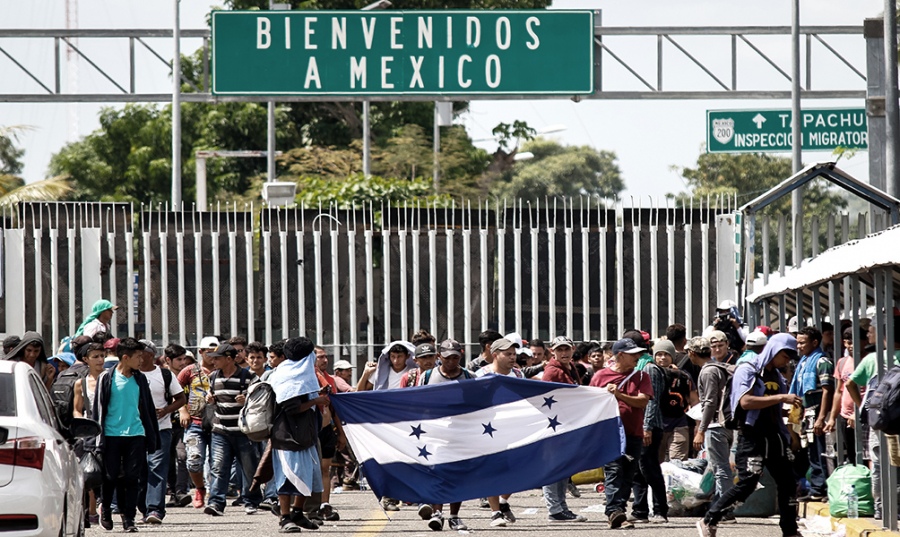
(675, 400)
(884, 403)
(62, 393)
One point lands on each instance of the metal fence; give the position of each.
(356, 279)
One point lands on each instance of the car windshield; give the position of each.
(7, 395)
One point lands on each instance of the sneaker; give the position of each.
(182, 500)
(616, 519)
(484, 503)
(573, 490)
(287, 526)
(128, 525)
(705, 530)
(250, 510)
(328, 513)
(658, 519)
(507, 513)
(437, 521)
(812, 497)
(237, 502)
(268, 504)
(425, 511)
(153, 517)
(456, 524)
(94, 519)
(299, 518)
(638, 519)
(199, 498)
(566, 516)
(212, 510)
(171, 502)
(106, 520)
(728, 517)
(498, 520)
(388, 505)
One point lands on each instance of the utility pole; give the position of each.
(797, 133)
(891, 107)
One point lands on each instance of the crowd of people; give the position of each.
(748, 399)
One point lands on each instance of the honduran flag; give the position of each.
(475, 438)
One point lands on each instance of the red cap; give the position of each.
(764, 329)
(111, 344)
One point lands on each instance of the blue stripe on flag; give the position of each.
(442, 400)
(514, 470)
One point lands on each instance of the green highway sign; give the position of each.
(753, 131)
(369, 53)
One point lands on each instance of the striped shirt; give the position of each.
(226, 390)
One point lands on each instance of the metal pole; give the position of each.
(797, 134)
(200, 165)
(367, 146)
(270, 145)
(891, 94)
(436, 177)
(176, 111)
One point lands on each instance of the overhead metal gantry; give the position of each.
(625, 58)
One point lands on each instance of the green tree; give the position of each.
(557, 170)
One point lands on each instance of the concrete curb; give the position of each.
(856, 527)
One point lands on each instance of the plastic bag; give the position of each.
(860, 479)
(682, 486)
(91, 469)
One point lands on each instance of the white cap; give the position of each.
(726, 305)
(209, 342)
(793, 325)
(755, 339)
(515, 338)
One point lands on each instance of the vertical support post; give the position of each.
(301, 274)
(797, 135)
(283, 273)
(704, 268)
(370, 288)
(857, 348)
(432, 277)
(688, 278)
(535, 293)
(70, 244)
(874, 32)
(14, 270)
(251, 301)
(604, 284)
(451, 305)
(570, 304)
(198, 280)
(467, 280)
(620, 272)
(39, 281)
(182, 321)
(636, 266)
(551, 274)
(200, 167)
(585, 276)
(403, 272)
(517, 266)
(54, 281)
(335, 295)
(765, 249)
(351, 270)
(386, 267)
(367, 143)
(670, 268)
(501, 272)
(416, 276)
(654, 272)
(163, 285)
(436, 174)
(891, 107)
(889, 478)
(270, 145)
(317, 279)
(176, 109)
(483, 255)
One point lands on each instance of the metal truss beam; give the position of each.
(612, 44)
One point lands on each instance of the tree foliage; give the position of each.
(13, 188)
(557, 170)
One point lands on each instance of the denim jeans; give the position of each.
(555, 496)
(619, 475)
(196, 443)
(650, 474)
(225, 449)
(157, 473)
(816, 450)
(758, 449)
(718, 450)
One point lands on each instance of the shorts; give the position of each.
(328, 441)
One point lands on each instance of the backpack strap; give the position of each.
(626, 379)
(86, 409)
(167, 380)
(212, 381)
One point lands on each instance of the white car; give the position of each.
(40, 478)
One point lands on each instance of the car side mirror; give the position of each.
(4, 435)
(84, 428)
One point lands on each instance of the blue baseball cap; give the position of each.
(626, 345)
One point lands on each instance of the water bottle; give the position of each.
(363, 484)
(830, 442)
(852, 502)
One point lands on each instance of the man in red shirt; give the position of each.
(331, 439)
(633, 390)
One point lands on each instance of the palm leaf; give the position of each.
(50, 189)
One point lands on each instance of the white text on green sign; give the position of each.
(739, 131)
(396, 53)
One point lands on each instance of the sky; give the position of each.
(651, 139)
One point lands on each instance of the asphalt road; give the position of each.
(362, 517)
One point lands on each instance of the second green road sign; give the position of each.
(402, 52)
(753, 131)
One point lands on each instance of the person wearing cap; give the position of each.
(343, 374)
(756, 341)
(758, 395)
(560, 368)
(813, 382)
(331, 438)
(175, 359)
(167, 398)
(632, 390)
(228, 386)
(710, 431)
(503, 362)
(123, 405)
(62, 361)
(721, 352)
(425, 357)
(195, 380)
(485, 339)
(99, 320)
(728, 320)
(449, 370)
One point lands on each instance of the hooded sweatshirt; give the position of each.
(18, 353)
(383, 372)
(748, 377)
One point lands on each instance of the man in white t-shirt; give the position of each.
(166, 399)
